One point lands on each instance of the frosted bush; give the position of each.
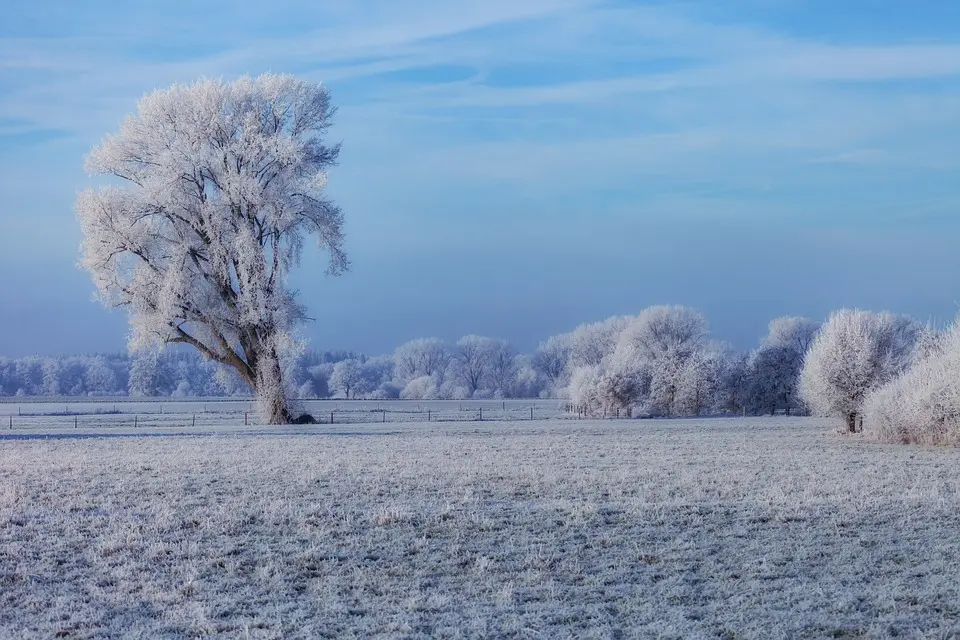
(307, 390)
(422, 388)
(451, 390)
(386, 391)
(922, 405)
(584, 388)
(182, 390)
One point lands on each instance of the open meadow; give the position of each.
(552, 528)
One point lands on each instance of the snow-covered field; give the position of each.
(725, 528)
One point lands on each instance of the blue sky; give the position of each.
(513, 168)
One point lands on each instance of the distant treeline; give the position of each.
(151, 374)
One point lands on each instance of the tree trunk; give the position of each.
(273, 405)
(852, 422)
(271, 397)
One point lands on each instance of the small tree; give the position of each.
(775, 366)
(473, 357)
(421, 357)
(503, 368)
(792, 331)
(660, 341)
(346, 377)
(221, 182)
(552, 359)
(773, 375)
(145, 374)
(855, 353)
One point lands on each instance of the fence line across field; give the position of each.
(192, 414)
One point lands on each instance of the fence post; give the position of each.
(503, 406)
(194, 422)
(481, 414)
(134, 422)
(244, 418)
(75, 422)
(428, 415)
(531, 413)
(384, 414)
(331, 417)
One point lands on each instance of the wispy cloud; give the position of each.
(577, 90)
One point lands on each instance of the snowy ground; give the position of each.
(757, 528)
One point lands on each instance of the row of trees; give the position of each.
(663, 362)
(890, 374)
(660, 362)
(148, 373)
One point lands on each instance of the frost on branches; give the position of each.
(923, 405)
(853, 354)
(220, 184)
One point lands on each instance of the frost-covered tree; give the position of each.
(590, 343)
(791, 331)
(529, 382)
(503, 369)
(700, 381)
(774, 374)
(658, 344)
(100, 379)
(373, 373)
(585, 388)
(51, 377)
(664, 329)
(661, 362)
(220, 182)
(29, 374)
(734, 391)
(345, 378)
(473, 358)
(775, 366)
(552, 360)
(421, 357)
(854, 353)
(145, 374)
